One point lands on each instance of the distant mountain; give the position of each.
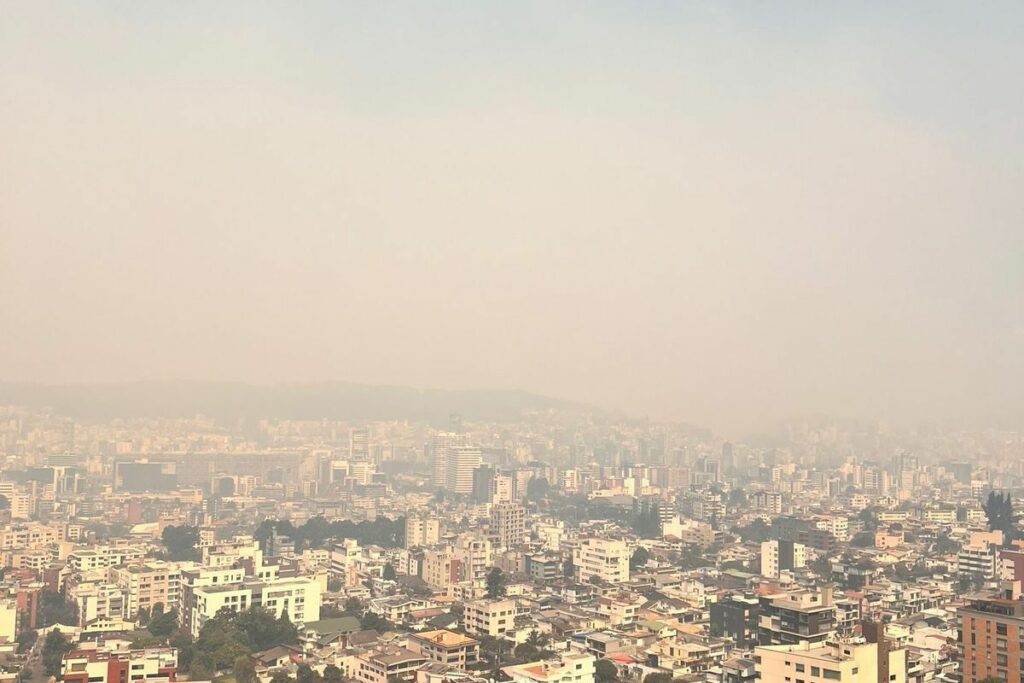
(233, 400)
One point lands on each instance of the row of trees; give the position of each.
(318, 531)
(230, 636)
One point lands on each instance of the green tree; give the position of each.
(537, 489)
(55, 647)
(389, 572)
(181, 542)
(525, 652)
(245, 670)
(280, 677)
(605, 671)
(54, 608)
(333, 674)
(305, 674)
(658, 677)
(143, 616)
(639, 558)
(374, 622)
(495, 583)
(755, 532)
(164, 624)
(998, 509)
(26, 639)
(202, 668)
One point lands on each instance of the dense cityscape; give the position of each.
(561, 547)
(449, 341)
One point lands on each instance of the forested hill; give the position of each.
(333, 400)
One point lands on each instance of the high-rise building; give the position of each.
(780, 556)
(508, 521)
(483, 484)
(736, 618)
(462, 460)
(503, 489)
(991, 631)
(437, 451)
(359, 444)
(421, 531)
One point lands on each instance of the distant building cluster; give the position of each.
(557, 548)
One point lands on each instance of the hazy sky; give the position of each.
(720, 213)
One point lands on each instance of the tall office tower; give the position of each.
(437, 452)
(455, 423)
(713, 468)
(359, 444)
(508, 520)
(483, 484)
(728, 457)
(462, 460)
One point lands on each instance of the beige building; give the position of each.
(475, 557)
(846, 662)
(446, 647)
(146, 585)
(489, 617)
(32, 535)
(422, 532)
(603, 559)
(508, 522)
(441, 569)
(570, 668)
(387, 664)
(779, 556)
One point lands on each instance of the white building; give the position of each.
(570, 668)
(846, 662)
(780, 556)
(604, 559)
(298, 597)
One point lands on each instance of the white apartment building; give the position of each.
(570, 668)
(146, 585)
(846, 662)
(101, 557)
(489, 617)
(475, 557)
(462, 460)
(98, 602)
(780, 556)
(298, 597)
(8, 621)
(422, 532)
(441, 569)
(601, 558)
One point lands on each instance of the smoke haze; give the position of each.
(712, 213)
